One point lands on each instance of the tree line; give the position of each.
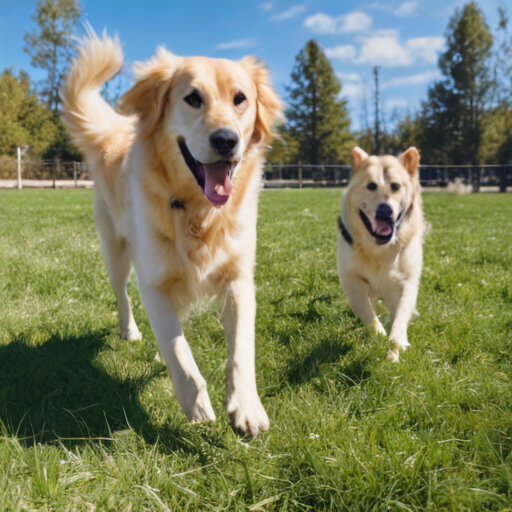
(466, 117)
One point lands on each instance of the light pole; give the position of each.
(19, 165)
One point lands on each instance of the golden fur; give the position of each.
(392, 270)
(180, 254)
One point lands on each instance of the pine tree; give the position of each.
(51, 46)
(318, 118)
(496, 140)
(456, 105)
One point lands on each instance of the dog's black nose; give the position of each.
(384, 212)
(224, 141)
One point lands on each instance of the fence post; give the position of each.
(55, 169)
(503, 178)
(74, 174)
(476, 179)
(300, 175)
(19, 168)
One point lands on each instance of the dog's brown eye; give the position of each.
(371, 186)
(239, 99)
(395, 186)
(194, 100)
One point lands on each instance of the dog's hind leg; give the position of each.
(116, 254)
(245, 411)
(357, 290)
(189, 384)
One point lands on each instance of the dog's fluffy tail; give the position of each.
(91, 121)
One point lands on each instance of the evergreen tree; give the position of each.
(318, 118)
(50, 44)
(496, 144)
(405, 132)
(455, 107)
(502, 85)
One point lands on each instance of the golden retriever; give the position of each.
(177, 176)
(380, 240)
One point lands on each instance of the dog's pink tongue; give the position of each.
(217, 183)
(382, 228)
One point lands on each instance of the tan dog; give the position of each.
(380, 241)
(176, 191)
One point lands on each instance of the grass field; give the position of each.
(90, 422)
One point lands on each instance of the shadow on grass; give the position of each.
(56, 390)
(311, 314)
(304, 368)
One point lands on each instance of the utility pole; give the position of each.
(376, 134)
(365, 110)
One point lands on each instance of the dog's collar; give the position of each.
(401, 216)
(348, 238)
(176, 205)
(344, 233)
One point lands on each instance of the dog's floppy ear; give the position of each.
(358, 157)
(148, 97)
(269, 106)
(410, 159)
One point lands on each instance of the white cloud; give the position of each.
(352, 23)
(418, 79)
(290, 13)
(346, 53)
(426, 47)
(353, 92)
(266, 6)
(379, 6)
(407, 9)
(349, 77)
(384, 49)
(240, 43)
(321, 23)
(396, 103)
(385, 32)
(356, 22)
(353, 86)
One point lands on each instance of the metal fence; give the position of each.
(57, 170)
(34, 172)
(298, 175)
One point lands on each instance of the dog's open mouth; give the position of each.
(214, 179)
(382, 229)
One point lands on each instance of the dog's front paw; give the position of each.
(196, 404)
(202, 410)
(246, 414)
(378, 327)
(395, 347)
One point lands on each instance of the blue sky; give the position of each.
(403, 37)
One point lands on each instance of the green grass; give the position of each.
(90, 422)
